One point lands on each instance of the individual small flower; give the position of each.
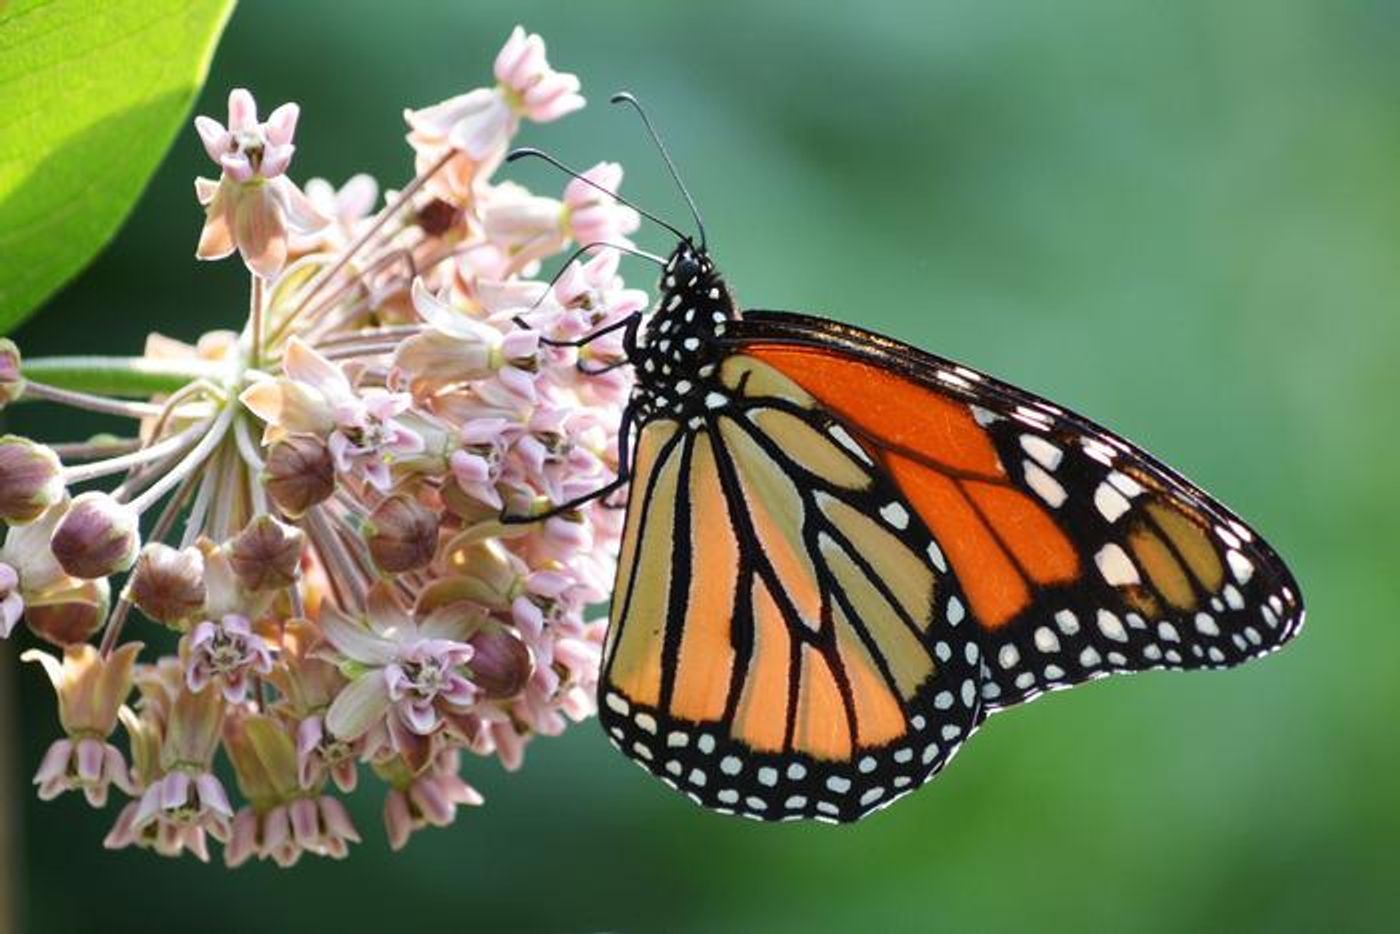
(430, 798)
(282, 820)
(96, 537)
(91, 690)
(409, 670)
(362, 430)
(456, 347)
(322, 755)
(345, 207)
(528, 226)
(266, 555)
(481, 122)
(299, 474)
(31, 477)
(402, 534)
(11, 379)
(168, 583)
(185, 805)
(477, 467)
(253, 206)
(229, 651)
(590, 215)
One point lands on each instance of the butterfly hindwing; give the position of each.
(1080, 554)
(782, 643)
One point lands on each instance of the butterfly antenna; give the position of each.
(529, 151)
(626, 97)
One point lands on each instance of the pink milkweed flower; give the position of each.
(457, 347)
(321, 754)
(345, 207)
(227, 650)
(91, 690)
(478, 465)
(361, 428)
(410, 671)
(282, 833)
(480, 123)
(253, 206)
(429, 799)
(179, 810)
(590, 216)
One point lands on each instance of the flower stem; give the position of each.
(392, 210)
(118, 376)
(191, 461)
(255, 315)
(95, 469)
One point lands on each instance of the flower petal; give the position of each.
(359, 706)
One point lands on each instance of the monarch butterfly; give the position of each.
(842, 554)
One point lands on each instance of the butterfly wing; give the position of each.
(775, 648)
(1080, 554)
(859, 550)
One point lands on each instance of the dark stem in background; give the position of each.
(10, 886)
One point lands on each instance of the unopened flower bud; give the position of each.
(501, 664)
(11, 382)
(71, 618)
(31, 478)
(266, 555)
(402, 534)
(98, 536)
(300, 473)
(168, 583)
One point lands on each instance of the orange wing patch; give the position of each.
(761, 717)
(1000, 540)
(706, 658)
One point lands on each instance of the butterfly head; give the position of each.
(677, 351)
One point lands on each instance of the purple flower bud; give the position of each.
(502, 663)
(300, 473)
(266, 555)
(31, 478)
(168, 584)
(11, 382)
(72, 620)
(402, 534)
(98, 536)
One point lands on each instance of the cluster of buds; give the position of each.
(348, 510)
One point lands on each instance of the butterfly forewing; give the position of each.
(1080, 554)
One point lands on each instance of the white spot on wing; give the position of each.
(1110, 503)
(1044, 485)
(1116, 567)
(1045, 453)
(895, 514)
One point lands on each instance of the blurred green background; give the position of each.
(1183, 219)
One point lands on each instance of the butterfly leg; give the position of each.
(624, 474)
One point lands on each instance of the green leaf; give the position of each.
(92, 93)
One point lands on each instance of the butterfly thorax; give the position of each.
(677, 349)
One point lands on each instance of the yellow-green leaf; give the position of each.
(92, 93)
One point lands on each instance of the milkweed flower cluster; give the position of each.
(326, 506)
